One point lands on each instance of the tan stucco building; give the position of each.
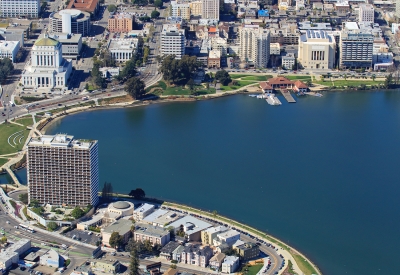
(196, 8)
(121, 22)
(317, 50)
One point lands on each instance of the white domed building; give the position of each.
(47, 67)
(121, 208)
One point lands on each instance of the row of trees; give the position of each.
(156, 3)
(6, 67)
(178, 71)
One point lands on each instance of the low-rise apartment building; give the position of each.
(153, 234)
(208, 235)
(196, 255)
(216, 261)
(230, 264)
(248, 251)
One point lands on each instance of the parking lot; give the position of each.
(84, 236)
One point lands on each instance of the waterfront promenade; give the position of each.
(301, 265)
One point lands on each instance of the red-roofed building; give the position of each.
(280, 82)
(266, 88)
(91, 6)
(299, 86)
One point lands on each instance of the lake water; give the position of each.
(321, 174)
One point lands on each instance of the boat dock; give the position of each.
(286, 94)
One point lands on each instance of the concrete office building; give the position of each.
(120, 22)
(63, 170)
(9, 49)
(210, 9)
(317, 50)
(366, 13)
(254, 45)
(9, 35)
(71, 44)
(356, 48)
(19, 8)
(10, 255)
(122, 49)
(173, 41)
(70, 21)
(47, 67)
(122, 226)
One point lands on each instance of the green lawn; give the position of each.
(160, 84)
(2, 161)
(180, 90)
(257, 77)
(236, 76)
(5, 131)
(241, 83)
(251, 270)
(27, 121)
(304, 265)
(299, 77)
(343, 82)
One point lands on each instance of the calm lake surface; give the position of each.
(321, 174)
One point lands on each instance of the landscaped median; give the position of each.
(304, 264)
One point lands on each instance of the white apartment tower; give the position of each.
(317, 50)
(20, 8)
(254, 45)
(63, 170)
(47, 67)
(366, 13)
(173, 41)
(210, 9)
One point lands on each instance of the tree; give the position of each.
(215, 213)
(134, 263)
(138, 193)
(51, 226)
(190, 84)
(34, 203)
(112, 8)
(155, 14)
(373, 77)
(135, 87)
(115, 240)
(77, 212)
(223, 76)
(23, 198)
(129, 70)
(3, 240)
(148, 246)
(173, 266)
(144, 18)
(309, 83)
(388, 81)
(158, 3)
(97, 76)
(107, 190)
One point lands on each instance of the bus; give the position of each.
(26, 228)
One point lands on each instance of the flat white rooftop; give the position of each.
(61, 140)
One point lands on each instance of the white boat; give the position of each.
(318, 94)
(273, 100)
(252, 95)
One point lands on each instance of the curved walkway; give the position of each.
(11, 136)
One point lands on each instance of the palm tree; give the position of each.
(373, 77)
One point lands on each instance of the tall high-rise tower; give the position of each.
(63, 170)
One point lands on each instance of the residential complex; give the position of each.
(210, 234)
(254, 45)
(173, 41)
(180, 10)
(47, 67)
(70, 21)
(63, 170)
(153, 234)
(143, 211)
(19, 8)
(317, 50)
(120, 22)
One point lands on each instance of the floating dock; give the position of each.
(286, 94)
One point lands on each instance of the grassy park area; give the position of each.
(17, 139)
(26, 120)
(161, 88)
(348, 82)
(2, 161)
